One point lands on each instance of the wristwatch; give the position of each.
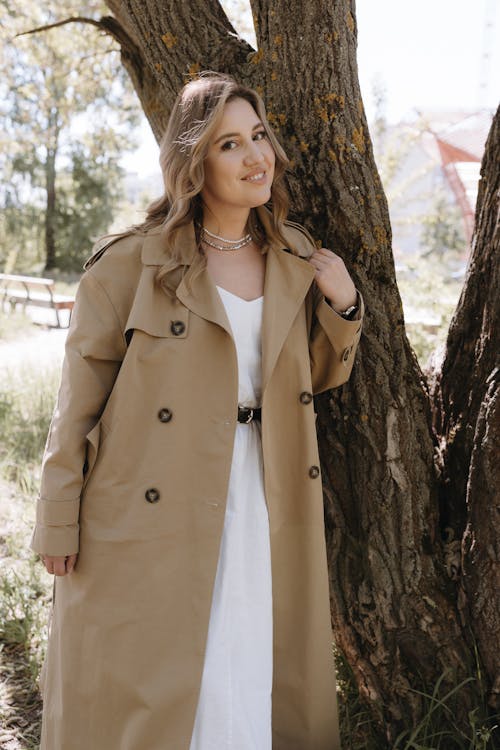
(351, 311)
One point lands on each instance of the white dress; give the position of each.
(234, 709)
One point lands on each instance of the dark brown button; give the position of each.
(314, 472)
(152, 495)
(177, 327)
(305, 397)
(346, 353)
(164, 415)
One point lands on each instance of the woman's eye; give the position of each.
(227, 146)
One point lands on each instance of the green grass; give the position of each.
(436, 730)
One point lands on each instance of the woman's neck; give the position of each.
(230, 227)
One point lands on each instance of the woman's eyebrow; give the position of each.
(229, 135)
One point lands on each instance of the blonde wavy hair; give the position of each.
(195, 116)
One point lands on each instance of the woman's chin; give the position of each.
(263, 197)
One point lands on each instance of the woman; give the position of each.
(181, 504)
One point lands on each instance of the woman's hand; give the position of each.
(59, 565)
(333, 279)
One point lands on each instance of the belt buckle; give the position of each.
(250, 413)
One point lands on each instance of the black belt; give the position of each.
(247, 414)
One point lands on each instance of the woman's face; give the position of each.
(239, 149)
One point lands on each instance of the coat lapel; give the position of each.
(195, 289)
(198, 292)
(288, 278)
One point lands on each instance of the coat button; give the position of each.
(177, 327)
(305, 397)
(164, 415)
(314, 472)
(346, 354)
(152, 495)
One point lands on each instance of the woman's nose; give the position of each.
(254, 153)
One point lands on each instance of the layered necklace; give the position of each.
(209, 238)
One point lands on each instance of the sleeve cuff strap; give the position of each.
(57, 512)
(55, 540)
(341, 332)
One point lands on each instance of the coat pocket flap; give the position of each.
(172, 324)
(155, 312)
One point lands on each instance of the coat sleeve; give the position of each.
(95, 348)
(333, 341)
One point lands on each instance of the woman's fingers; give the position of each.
(59, 565)
(49, 563)
(333, 278)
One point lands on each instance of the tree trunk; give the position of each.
(394, 606)
(467, 417)
(50, 209)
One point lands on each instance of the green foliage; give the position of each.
(442, 234)
(88, 196)
(68, 110)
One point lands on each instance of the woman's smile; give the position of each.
(257, 177)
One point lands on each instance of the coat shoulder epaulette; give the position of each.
(100, 248)
(308, 243)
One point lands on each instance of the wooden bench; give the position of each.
(33, 291)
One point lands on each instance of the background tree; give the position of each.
(61, 176)
(394, 591)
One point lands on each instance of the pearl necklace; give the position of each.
(231, 244)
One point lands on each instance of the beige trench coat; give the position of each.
(152, 417)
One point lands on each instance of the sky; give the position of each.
(429, 54)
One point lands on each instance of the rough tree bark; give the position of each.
(467, 416)
(50, 211)
(394, 606)
(50, 187)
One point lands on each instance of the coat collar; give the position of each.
(287, 280)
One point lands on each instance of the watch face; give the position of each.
(350, 312)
